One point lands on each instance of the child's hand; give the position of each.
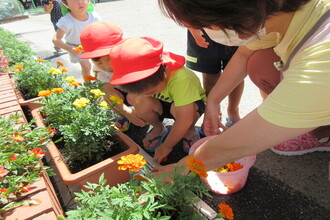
(74, 52)
(161, 152)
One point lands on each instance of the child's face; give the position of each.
(155, 89)
(77, 5)
(103, 63)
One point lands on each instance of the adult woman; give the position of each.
(298, 104)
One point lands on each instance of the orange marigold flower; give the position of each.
(40, 60)
(230, 167)
(13, 157)
(196, 166)
(75, 84)
(226, 210)
(17, 137)
(64, 70)
(58, 90)
(59, 63)
(37, 152)
(79, 48)
(44, 93)
(133, 162)
(3, 172)
(52, 130)
(3, 191)
(89, 78)
(19, 67)
(16, 70)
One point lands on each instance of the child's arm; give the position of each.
(184, 117)
(57, 41)
(122, 108)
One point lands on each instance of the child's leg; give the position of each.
(149, 109)
(234, 99)
(85, 67)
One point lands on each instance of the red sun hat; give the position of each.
(98, 39)
(138, 58)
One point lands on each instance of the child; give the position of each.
(163, 87)
(54, 9)
(97, 47)
(71, 26)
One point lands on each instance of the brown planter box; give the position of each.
(47, 209)
(91, 174)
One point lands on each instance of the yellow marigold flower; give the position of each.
(104, 104)
(64, 70)
(226, 211)
(97, 93)
(82, 102)
(59, 63)
(19, 67)
(16, 70)
(75, 84)
(55, 71)
(44, 93)
(79, 48)
(116, 99)
(89, 78)
(40, 60)
(196, 166)
(133, 162)
(70, 79)
(58, 90)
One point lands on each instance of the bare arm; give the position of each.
(57, 41)
(184, 116)
(234, 73)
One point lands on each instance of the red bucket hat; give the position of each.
(138, 58)
(98, 39)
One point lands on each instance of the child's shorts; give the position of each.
(167, 109)
(74, 59)
(210, 60)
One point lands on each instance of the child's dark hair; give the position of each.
(96, 59)
(144, 84)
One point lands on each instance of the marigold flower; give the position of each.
(3, 172)
(19, 67)
(40, 60)
(37, 152)
(196, 166)
(52, 130)
(13, 157)
(226, 211)
(3, 191)
(82, 102)
(89, 78)
(79, 48)
(17, 137)
(59, 63)
(133, 162)
(96, 72)
(75, 84)
(230, 167)
(44, 93)
(55, 71)
(97, 93)
(58, 90)
(116, 99)
(64, 70)
(70, 79)
(104, 104)
(16, 71)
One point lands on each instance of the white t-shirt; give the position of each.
(73, 27)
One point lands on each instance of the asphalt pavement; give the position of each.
(278, 187)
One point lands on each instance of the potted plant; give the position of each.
(23, 177)
(88, 136)
(145, 196)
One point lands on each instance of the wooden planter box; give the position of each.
(91, 174)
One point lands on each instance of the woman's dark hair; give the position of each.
(146, 83)
(242, 16)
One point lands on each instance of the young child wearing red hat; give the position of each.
(97, 48)
(163, 88)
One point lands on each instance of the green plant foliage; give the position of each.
(85, 128)
(151, 198)
(20, 156)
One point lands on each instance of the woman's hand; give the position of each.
(212, 117)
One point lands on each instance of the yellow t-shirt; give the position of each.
(301, 99)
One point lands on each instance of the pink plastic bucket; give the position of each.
(227, 183)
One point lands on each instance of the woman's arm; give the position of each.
(234, 73)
